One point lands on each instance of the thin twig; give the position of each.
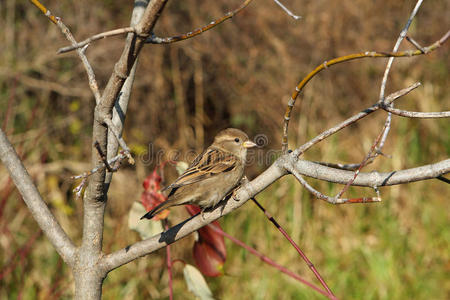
(416, 114)
(326, 64)
(167, 40)
(269, 261)
(363, 163)
(392, 97)
(96, 37)
(387, 125)
(115, 160)
(103, 157)
(415, 43)
(119, 112)
(347, 167)
(332, 200)
(119, 138)
(154, 39)
(287, 10)
(305, 258)
(81, 52)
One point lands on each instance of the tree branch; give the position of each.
(130, 253)
(387, 123)
(38, 208)
(168, 40)
(389, 99)
(334, 61)
(88, 274)
(370, 179)
(277, 170)
(416, 114)
(81, 52)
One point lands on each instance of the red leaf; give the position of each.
(209, 251)
(151, 196)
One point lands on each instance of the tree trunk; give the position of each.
(88, 283)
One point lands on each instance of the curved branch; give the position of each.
(334, 61)
(38, 208)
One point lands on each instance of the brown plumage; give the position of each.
(212, 174)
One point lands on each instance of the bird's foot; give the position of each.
(234, 195)
(244, 180)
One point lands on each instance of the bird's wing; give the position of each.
(211, 162)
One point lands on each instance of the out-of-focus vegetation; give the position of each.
(240, 74)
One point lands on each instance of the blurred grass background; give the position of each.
(241, 74)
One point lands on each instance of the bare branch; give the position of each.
(370, 156)
(115, 160)
(96, 37)
(38, 208)
(371, 179)
(348, 167)
(334, 61)
(129, 253)
(278, 169)
(397, 45)
(299, 151)
(287, 10)
(94, 203)
(154, 39)
(416, 114)
(120, 107)
(117, 134)
(332, 200)
(158, 40)
(415, 43)
(81, 52)
(387, 124)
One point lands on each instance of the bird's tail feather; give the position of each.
(159, 208)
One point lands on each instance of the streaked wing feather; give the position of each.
(211, 162)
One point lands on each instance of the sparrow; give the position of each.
(212, 175)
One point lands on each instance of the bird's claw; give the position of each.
(234, 196)
(201, 214)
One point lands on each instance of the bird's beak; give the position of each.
(249, 144)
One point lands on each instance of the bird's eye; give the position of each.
(237, 140)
